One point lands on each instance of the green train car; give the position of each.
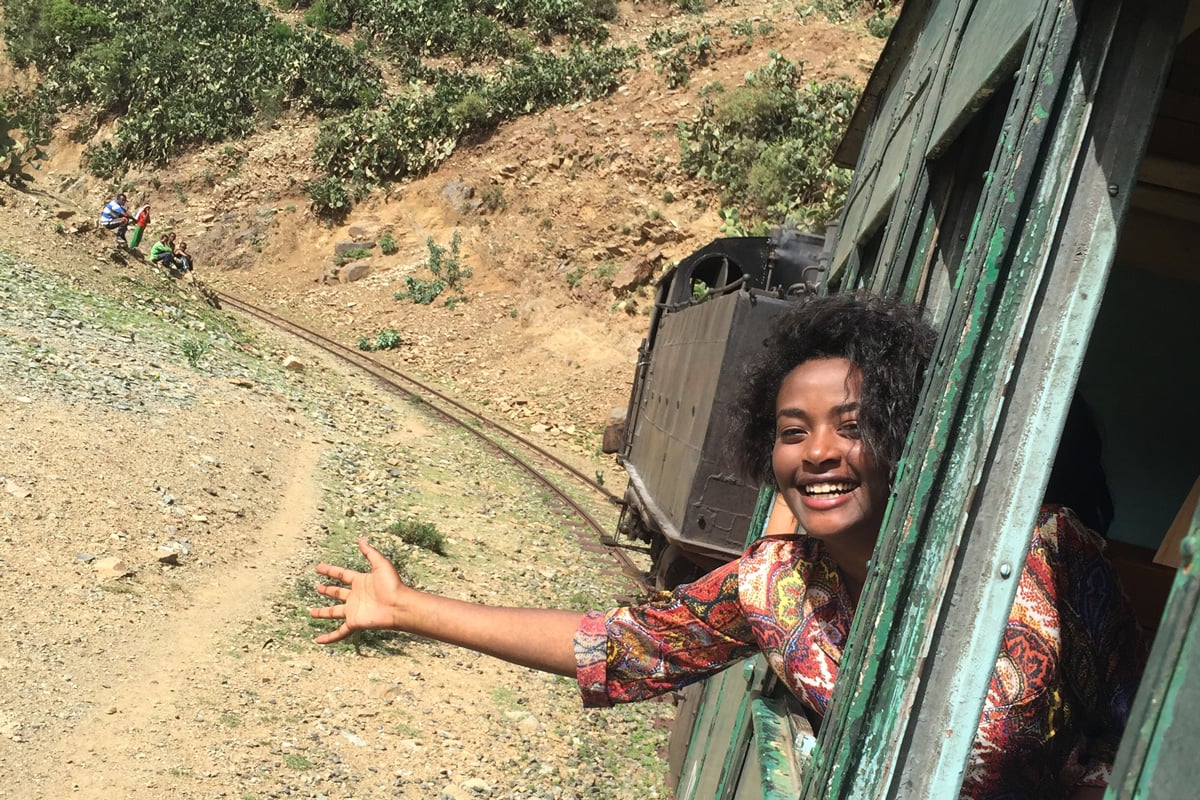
(1029, 171)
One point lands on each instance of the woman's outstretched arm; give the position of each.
(378, 600)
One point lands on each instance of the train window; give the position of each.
(1008, 245)
(1151, 296)
(957, 177)
(862, 262)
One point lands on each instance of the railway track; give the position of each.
(447, 408)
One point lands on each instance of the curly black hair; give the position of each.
(886, 340)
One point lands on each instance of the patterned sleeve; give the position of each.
(1068, 667)
(677, 638)
(1103, 653)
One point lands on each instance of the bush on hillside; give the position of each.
(193, 71)
(201, 71)
(769, 144)
(45, 33)
(420, 128)
(22, 134)
(844, 10)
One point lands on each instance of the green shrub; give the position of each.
(424, 535)
(420, 128)
(197, 71)
(336, 15)
(601, 9)
(575, 276)
(492, 199)
(472, 113)
(845, 10)
(769, 144)
(331, 198)
(387, 339)
(445, 264)
(674, 56)
(353, 255)
(880, 26)
(387, 244)
(204, 71)
(102, 160)
(23, 131)
(422, 292)
(194, 350)
(45, 32)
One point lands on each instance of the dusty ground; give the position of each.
(135, 418)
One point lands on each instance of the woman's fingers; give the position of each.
(333, 590)
(337, 573)
(334, 636)
(376, 559)
(327, 612)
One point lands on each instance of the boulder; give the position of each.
(110, 568)
(461, 196)
(355, 270)
(637, 271)
(364, 233)
(614, 430)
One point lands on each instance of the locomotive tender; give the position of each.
(684, 498)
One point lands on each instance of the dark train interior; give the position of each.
(1141, 374)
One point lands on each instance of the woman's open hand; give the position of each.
(368, 601)
(378, 599)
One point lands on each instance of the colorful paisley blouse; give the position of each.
(1060, 692)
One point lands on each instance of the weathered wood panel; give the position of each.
(988, 52)
(1157, 755)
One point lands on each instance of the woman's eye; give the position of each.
(851, 430)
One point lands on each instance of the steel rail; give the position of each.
(393, 380)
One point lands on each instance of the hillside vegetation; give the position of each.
(527, 168)
(178, 75)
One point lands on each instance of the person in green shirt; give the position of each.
(163, 253)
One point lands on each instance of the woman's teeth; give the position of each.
(820, 489)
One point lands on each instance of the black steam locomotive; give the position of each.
(684, 499)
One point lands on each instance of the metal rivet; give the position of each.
(1113, 190)
(1005, 570)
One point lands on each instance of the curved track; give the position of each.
(456, 413)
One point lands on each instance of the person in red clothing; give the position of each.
(141, 221)
(824, 414)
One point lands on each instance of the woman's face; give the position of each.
(822, 468)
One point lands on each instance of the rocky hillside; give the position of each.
(564, 218)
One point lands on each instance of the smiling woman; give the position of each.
(824, 413)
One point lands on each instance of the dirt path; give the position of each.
(121, 675)
(143, 702)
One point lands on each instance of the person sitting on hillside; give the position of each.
(162, 252)
(824, 413)
(183, 259)
(115, 217)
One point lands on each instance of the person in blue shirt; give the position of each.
(115, 217)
